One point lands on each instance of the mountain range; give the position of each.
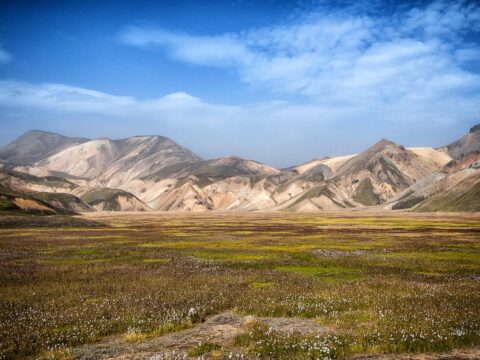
(48, 173)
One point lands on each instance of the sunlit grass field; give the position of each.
(381, 284)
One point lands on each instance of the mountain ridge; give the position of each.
(155, 172)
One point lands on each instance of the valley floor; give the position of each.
(246, 285)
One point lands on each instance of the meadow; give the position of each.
(354, 283)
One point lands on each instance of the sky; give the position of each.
(281, 82)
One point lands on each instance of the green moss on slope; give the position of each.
(407, 203)
(365, 194)
(459, 200)
(101, 194)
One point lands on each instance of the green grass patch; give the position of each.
(413, 287)
(156, 261)
(231, 256)
(261, 285)
(203, 349)
(135, 335)
(75, 261)
(318, 270)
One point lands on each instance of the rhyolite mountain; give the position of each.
(467, 144)
(144, 173)
(56, 195)
(36, 145)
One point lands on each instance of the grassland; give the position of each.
(373, 284)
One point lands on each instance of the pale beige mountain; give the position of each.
(231, 176)
(62, 194)
(241, 193)
(463, 195)
(144, 172)
(427, 187)
(470, 160)
(382, 171)
(149, 190)
(187, 197)
(323, 196)
(35, 145)
(87, 160)
(437, 157)
(288, 191)
(114, 162)
(332, 162)
(145, 155)
(23, 182)
(208, 171)
(30, 194)
(466, 144)
(107, 199)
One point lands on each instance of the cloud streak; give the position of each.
(409, 75)
(280, 133)
(343, 57)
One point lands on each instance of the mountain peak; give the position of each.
(475, 128)
(383, 142)
(49, 136)
(41, 132)
(466, 144)
(36, 144)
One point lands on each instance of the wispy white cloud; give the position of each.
(5, 56)
(266, 131)
(380, 76)
(346, 57)
(222, 50)
(62, 98)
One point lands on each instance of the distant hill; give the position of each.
(36, 145)
(466, 144)
(17, 194)
(108, 199)
(463, 196)
(142, 173)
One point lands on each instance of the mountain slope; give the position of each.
(466, 144)
(427, 187)
(113, 162)
(20, 181)
(220, 183)
(332, 163)
(382, 171)
(436, 157)
(207, 171)
(463, 196)
(18, 193)
(107, 199)
(186, 197)
(36, 145)
(141, 173)
(464, 161)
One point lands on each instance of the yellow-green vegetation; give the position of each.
(365, 194)
(137, 335)
(388, 284)
(465, 198)
(260, 285)
(203, 349)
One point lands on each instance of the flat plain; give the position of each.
(242, 285)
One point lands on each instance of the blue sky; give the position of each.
(277, 81)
